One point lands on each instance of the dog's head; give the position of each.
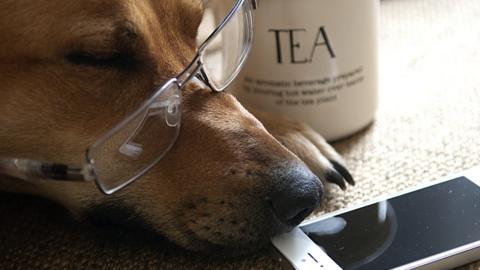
(70, 71)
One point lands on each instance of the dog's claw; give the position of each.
(343, 171)
(335, 177)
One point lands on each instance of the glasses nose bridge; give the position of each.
(192, 70)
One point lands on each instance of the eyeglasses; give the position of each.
(142, 139)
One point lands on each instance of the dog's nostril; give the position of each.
(301, 216)
(295, 196)
(292, 211)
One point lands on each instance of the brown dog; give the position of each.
(71, 70)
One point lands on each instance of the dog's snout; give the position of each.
(295, 197)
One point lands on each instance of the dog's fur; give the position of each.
(70, 70)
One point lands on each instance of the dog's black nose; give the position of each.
(297, 193)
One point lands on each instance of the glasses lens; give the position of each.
(139, 142)
(225, 53)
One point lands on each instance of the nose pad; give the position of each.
(173, 111)
(296, 197)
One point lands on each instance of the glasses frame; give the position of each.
(31, 169)
(90, 161)
(246, 49)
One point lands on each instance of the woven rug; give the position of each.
(428, 125)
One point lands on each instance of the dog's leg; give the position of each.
(309, 146)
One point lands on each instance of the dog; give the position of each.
(69, 72)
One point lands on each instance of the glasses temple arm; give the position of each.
(32, 169)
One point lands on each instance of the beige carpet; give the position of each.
(428, 125)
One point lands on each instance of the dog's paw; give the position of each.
(309, 146)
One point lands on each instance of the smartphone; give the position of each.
(430, 227)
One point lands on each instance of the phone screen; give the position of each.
(404, 229)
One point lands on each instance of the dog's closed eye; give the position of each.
(118, 60)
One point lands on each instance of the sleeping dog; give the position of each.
(71, 70)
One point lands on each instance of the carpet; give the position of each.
(428, 125)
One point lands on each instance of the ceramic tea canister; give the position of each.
(315, 61)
